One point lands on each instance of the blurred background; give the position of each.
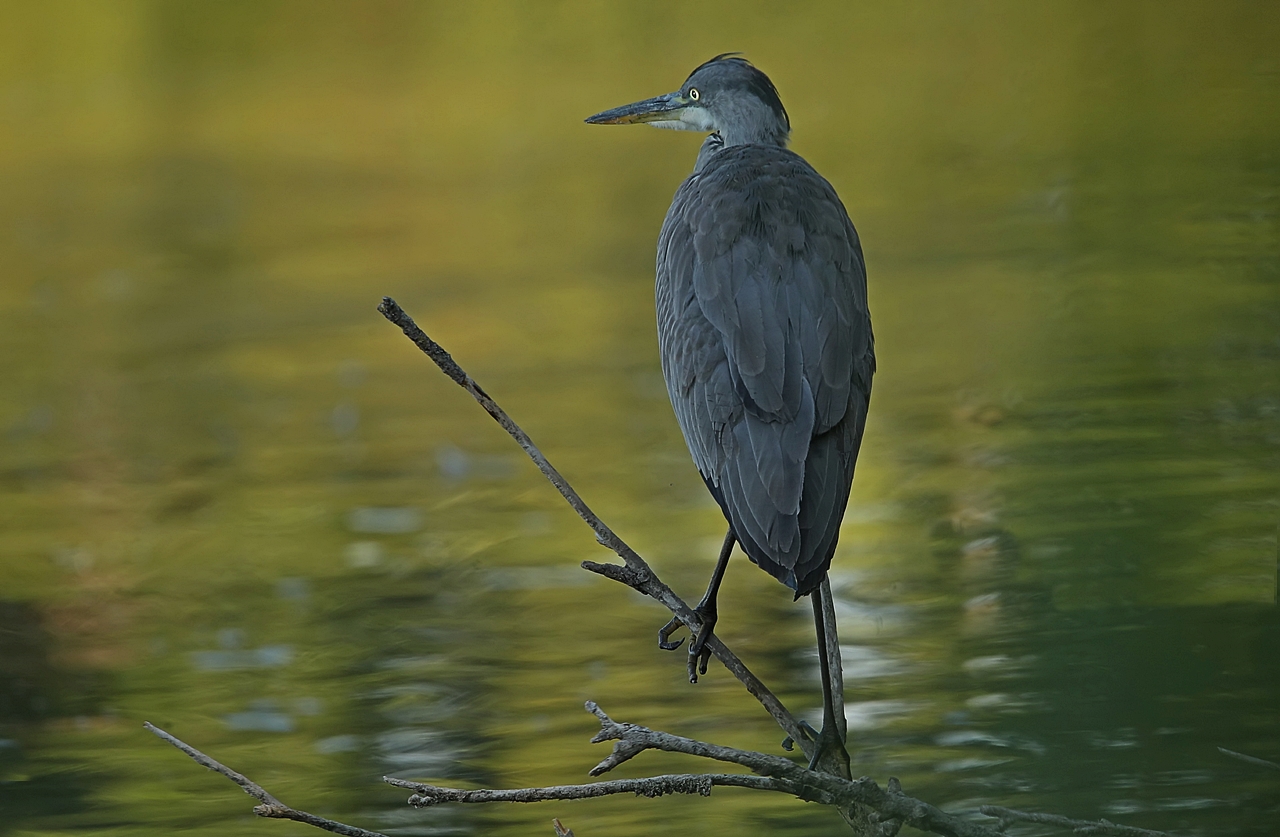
(237, 503)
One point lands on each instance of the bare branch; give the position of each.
(653, 786)
(1254, 760)
(635, 573)
(634, 739)
(889, 808)
(1008, 816)
(561, 829)
(270, 807)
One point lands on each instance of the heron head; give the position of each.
(726, 95)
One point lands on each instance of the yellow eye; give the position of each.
(694, 94)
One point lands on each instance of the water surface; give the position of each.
(236, 503)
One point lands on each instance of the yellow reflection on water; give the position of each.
(237, 503)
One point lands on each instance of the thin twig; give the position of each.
(270, 807)
(1008, 816)
(634, 739)
(653, 786)
(1254, 760)
(635, 572)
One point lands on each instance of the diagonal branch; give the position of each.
(634, 571)
(270, 807)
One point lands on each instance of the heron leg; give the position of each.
(829, 742)
(699, 654)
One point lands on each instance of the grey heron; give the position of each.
(764, 334)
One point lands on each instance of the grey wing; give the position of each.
(766, 348)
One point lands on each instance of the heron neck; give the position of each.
(775, 140)
(750, 121)
(774, 134)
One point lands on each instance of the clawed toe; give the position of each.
(699, 652)
(665, 632)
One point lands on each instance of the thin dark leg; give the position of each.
(830, 743)
(699, 655)
(833, 656)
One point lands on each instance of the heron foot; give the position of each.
(828, 747)
(699, 653)
(665, 632)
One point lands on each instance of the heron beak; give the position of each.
(665, 108)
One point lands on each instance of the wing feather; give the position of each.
(767, 350)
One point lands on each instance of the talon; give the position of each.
(699, 653)
(665, 632)
(700, 639)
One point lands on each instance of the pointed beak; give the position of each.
(665, 108)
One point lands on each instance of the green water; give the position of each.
(236, 503)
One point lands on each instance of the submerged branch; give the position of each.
(1008, 816)
(1247, 759)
